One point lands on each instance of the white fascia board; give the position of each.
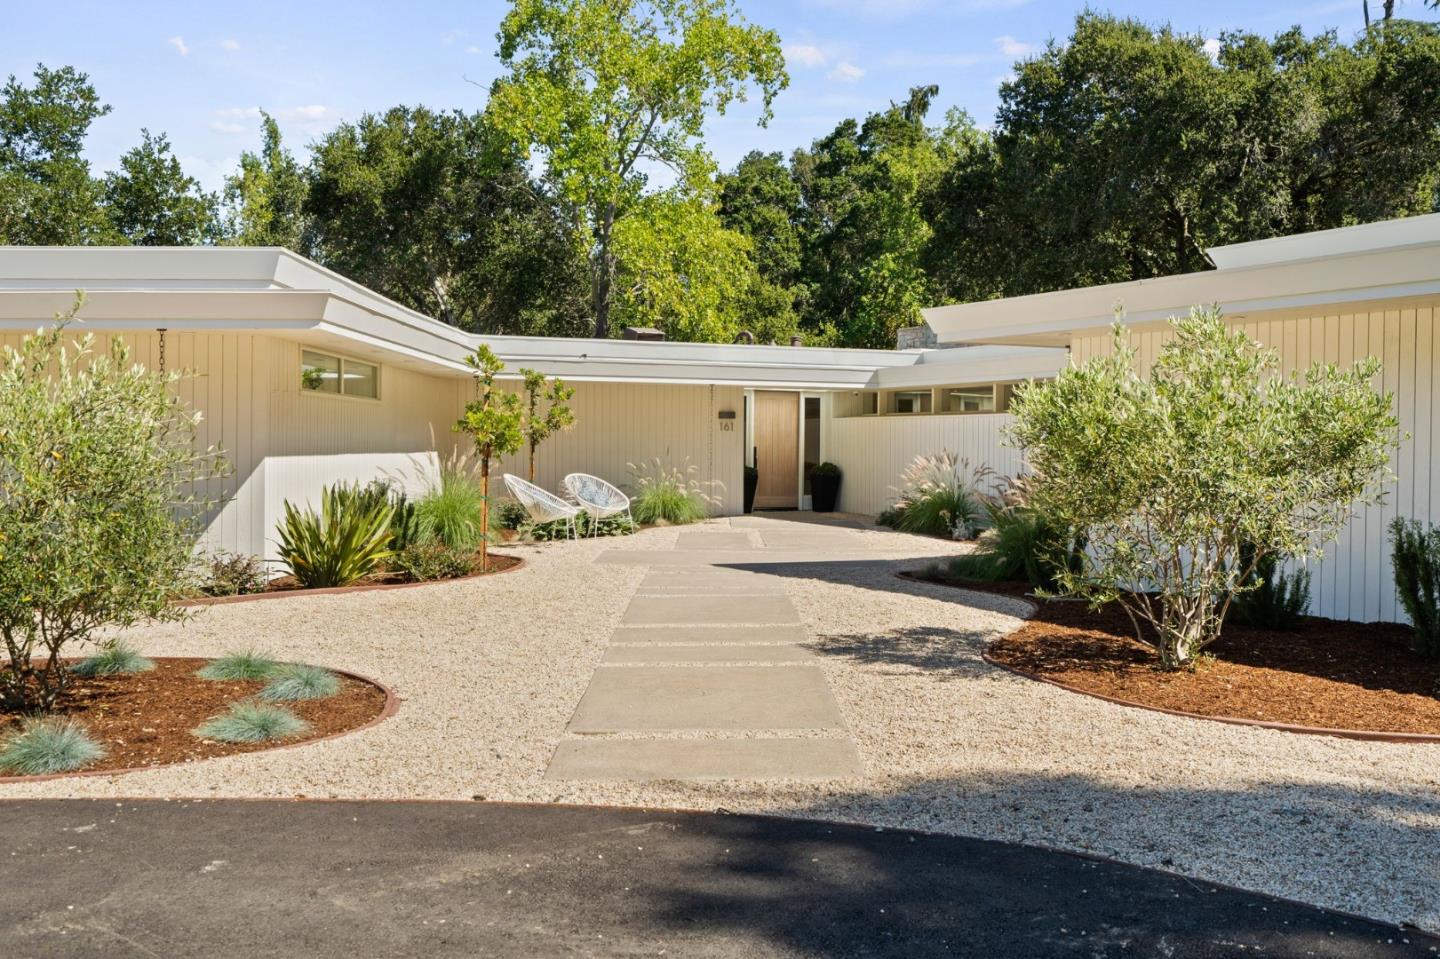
(138, 267)
(977, 364)
(1343, 241)
(257, 310)
(1389, 274)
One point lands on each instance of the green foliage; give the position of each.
(1026, 543)
(1166, 476)
(432, 559)
(438, 211)
(152, 202)
(252, 722)
(890, 516)
(98, 477)
(668, 496)
(547, 411)
(291, 682)
(231, 574)
(1416, 557)
(46, 745)
(982, 566)
(1268, 597)
(346, 541)
(115, 657)
(265, 197)
(508, 514)
(47, 195)
(452, 509)
(584, 526)
(597, 86)
(824, 469)
(405, 528)
(243, 664)
(493, 419)
(940, 495)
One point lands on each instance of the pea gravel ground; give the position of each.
(490, 671)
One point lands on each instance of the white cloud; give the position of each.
(845, 72)
(473, 51)
(179, 44)
(229, 44)
(1011, 47)
(228, 126)
(805, 55)
(1211, 48)
(310, 118)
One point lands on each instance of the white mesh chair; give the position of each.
(542, 505)
(598, 498)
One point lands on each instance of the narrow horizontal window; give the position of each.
(910, 401)
(323, 373)
(968, 399)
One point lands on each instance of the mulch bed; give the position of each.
(1327, 673)
(145, 719)
(288, 585)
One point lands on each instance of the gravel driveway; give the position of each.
(490, 672)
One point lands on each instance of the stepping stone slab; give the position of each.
(654, 698)
(798, 525)
(694, 539)
(708, 610)
(652, 653)
(641, 760)
(694, 635)
(818, 540)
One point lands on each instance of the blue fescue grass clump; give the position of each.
(113, 659)
(48, 744)
(296, 681)
(252, 722)
(245, 664)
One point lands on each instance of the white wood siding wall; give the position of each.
(621, 423)
(872, 451)
(1355, 579)
(281, 444)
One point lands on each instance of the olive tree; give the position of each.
(1172, 477)
(98, 506)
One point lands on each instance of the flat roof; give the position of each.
(271, 290)
(1352, 266)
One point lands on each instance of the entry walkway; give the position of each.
(706, 676)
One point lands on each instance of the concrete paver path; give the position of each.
(706, 677)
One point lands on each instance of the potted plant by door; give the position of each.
(824, 487)
(752, 481)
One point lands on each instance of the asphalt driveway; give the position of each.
(351, 879)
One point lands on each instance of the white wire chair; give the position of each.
(542, 505)
(598, 498)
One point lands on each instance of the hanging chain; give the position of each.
(162, 349)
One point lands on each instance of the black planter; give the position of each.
(752, 480)
(824, 491)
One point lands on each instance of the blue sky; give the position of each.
(200, 71)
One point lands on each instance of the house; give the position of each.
(306, 378)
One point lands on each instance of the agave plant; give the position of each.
(940, 495)
(348, 540)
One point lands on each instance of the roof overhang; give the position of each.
(1391, 262)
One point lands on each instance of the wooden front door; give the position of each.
(777, 449)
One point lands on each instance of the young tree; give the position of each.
(265, 198)
(1171, 478)
(493, 419)
(47, 195)
(605, 88)
(557, 413)
(98, 505)
(152, 202)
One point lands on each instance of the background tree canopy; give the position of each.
(1119, 154)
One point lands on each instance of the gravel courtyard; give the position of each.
(490, 672)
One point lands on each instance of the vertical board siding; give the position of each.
(1354, 578)
(618, 424)
(872, 451)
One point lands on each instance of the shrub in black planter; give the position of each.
(824, 487)
(752, 481)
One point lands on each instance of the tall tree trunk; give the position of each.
(603, 282)
(484, 514)
(532, 462)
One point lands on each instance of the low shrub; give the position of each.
(234, 574)
(246, 664)
(668, 496)
(296, 681)
(348, 540)
(452, 510)
(431, 559)
(940, 495)
(981, 566)
(1028, 545)
(404, 522)
(252, 722)
(1416, 558)
(557, 529)
(48, 744)
(114, 658)
(508, 515)
(890, 516)
(824, 470)
(1269, 598)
